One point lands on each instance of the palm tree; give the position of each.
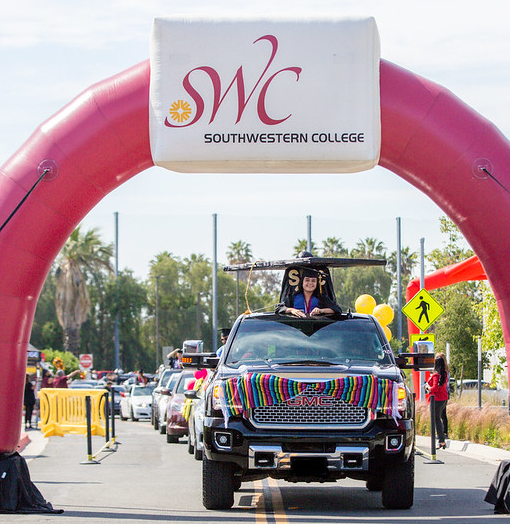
(82, 256)
(302, 245)
(333, 247)
(239, 252)
(408, 261)
(369, 248)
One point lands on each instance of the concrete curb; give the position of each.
(468, 449)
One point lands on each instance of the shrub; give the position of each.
(489, 425)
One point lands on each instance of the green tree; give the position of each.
(370, 280)
(492, 333)
(127, 297)
(460, 323)
(302, 245)
(83, 255)
(46, 330)
(460, 326)
(239, 252)
(71, 363)
(333, 247)
(369, 248)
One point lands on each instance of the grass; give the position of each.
(489, 425)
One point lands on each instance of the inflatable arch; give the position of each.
(101, 139)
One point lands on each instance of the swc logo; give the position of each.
(180, 110)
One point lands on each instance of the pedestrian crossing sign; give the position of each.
(423, 310)
(422, 337)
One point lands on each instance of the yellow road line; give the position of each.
(269, 491)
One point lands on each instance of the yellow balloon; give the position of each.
(384, 314)
(387, 332)
(365, 304)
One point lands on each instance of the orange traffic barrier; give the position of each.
(63, 411)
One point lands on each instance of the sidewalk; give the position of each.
(467, 449)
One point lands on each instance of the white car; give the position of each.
(137, 403)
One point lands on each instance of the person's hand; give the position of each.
(316, 311)
(296, 312)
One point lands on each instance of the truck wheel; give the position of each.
(375, 483)
(398, 485)
(191, 448)
(198, 454)
(217, 484)
(162, 428)
(237, 483)
(156, 423)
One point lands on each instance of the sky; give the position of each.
(53, 50)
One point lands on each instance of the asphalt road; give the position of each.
(147, 479)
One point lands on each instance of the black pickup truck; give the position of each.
(314, 434)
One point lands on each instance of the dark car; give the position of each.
(176, 424)
(312, 399)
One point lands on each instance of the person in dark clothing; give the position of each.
(29, 401)
(62, 380)
(308, 300)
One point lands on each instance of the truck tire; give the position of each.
(162, 428)
(398, 485)
(199, 454)
(191, 447)
(156, 423)
(217, 484)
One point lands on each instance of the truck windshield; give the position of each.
(285, 340)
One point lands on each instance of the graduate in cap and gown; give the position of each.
(308, 300)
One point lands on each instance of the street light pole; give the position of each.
(157, 277)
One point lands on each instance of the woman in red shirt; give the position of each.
(437, 386)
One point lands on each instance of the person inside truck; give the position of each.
(309, 300)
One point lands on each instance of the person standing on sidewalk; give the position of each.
(444, 417)
(29, 401)
(436, 386)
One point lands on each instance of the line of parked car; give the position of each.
(169, 398)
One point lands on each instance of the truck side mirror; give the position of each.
(200, 360)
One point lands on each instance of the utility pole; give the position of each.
(215, 284)
(116, 326)
(399, 281)
(157, 277)
(309, 233)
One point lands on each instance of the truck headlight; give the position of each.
(402, 398)
(217, 396)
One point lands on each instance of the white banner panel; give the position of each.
(259, 96)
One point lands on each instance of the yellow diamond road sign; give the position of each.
(423, 309)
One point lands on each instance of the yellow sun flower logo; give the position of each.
(180, 111)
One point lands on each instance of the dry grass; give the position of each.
(489, 425)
